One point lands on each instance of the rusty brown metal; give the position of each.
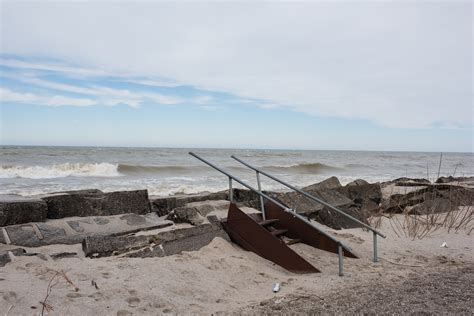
(299, 229)
(252, 236)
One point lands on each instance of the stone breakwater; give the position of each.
(108, 223)
(358, 198)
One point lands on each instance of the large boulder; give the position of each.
(328, 184)
(432, 206)
(321, 189)
(15, 209)
(96, 203)
(366, 196)
(336, 220)
(410, 182)
(326, 191)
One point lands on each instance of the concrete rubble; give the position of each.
(133, 224)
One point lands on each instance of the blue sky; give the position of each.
(313, 75)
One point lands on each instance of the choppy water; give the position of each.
(163, 171)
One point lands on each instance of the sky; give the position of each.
(347, 75)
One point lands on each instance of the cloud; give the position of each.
(397, 64)
(52, 67)
(104, 95)
(7, 95)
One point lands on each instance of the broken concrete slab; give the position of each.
(24, 235)
(15, 209)
(206, 207)
(73, 231)
(194, 213)
(186, 214)
(102, 246)
(156, 245)
(96, 203)
(163, 205)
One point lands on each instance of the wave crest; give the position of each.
(124, 168)
(60, 171)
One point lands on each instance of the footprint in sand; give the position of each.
(97, 296)
(9, 296)
(133, 301)
(106, 275)
(74, 295)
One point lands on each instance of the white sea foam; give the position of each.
(60, 171)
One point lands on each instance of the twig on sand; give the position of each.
(9, 309)
(52, 282)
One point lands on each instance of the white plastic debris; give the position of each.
(276, 287)
(444, 245)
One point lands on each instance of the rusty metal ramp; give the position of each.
(301, 230)
(258, 238)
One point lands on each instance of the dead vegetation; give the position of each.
(423, 212)
(57, 277)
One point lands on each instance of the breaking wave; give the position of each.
(88, 170)
(60, 171)
(116, 170)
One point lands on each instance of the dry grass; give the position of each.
(436, 215)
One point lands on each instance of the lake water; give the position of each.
(31, 170)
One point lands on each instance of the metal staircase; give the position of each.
(270, 233)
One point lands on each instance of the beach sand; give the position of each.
(412, 276)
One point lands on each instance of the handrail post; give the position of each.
(231, 192)
(376, 259)
(262, 204)
(341, 258)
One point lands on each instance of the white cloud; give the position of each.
(7, 95)
(53, 67)
(103, 95)
(399, 64)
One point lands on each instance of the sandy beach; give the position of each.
(412, 276)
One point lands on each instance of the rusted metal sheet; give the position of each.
(299, 229)
(254, 237)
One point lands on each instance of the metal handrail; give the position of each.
(314, 199)
(309, 196)
(285, 208)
